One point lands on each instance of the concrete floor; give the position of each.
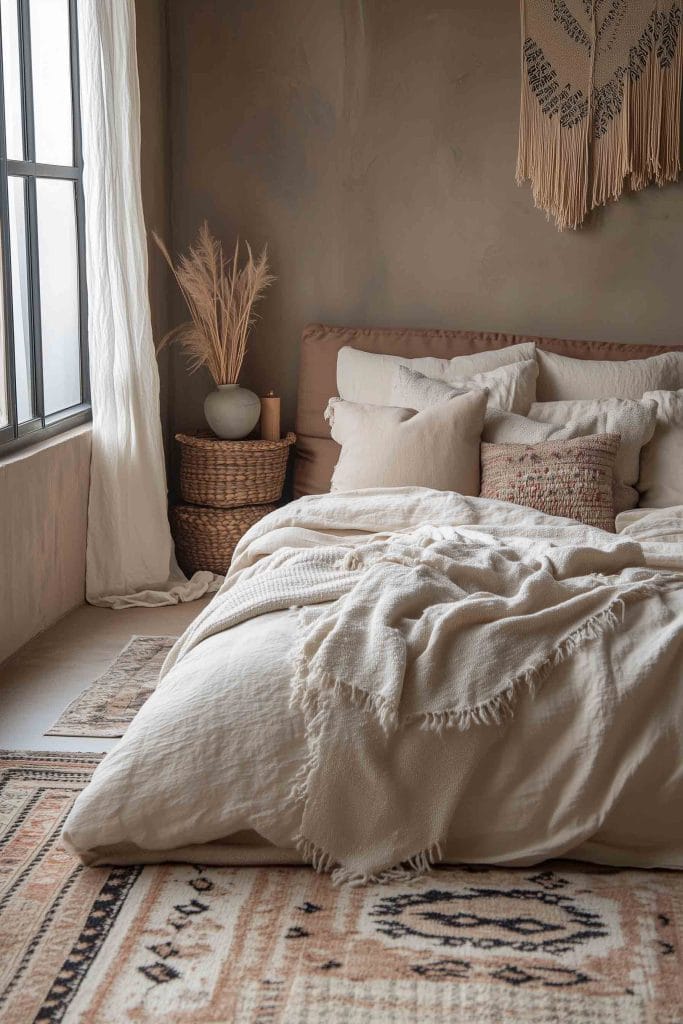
(40, 679)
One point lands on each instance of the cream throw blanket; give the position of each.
(431, 629)
(601, 100)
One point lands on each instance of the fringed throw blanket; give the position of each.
(601, 100)
(410, 648)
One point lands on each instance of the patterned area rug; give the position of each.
(555, 944)
(111, 703)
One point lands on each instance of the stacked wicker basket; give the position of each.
(226, 487)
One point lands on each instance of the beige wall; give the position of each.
(44, 501)
(151, 32)
(373, 146)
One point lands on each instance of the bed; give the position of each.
(397, 676)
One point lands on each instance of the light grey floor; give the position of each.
(38, 682)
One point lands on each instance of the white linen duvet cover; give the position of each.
(393, 677)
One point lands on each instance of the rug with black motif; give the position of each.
(554, 944)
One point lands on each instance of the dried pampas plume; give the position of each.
(220, 298)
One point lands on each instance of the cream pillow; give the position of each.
(511, 388)
(633, 421)
(661, 464)
(562, 378)
(366, 377)
(383, 446)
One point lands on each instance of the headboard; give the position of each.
(317, 453)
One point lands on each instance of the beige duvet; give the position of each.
(587, 762)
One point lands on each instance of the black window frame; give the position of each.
(15, 436)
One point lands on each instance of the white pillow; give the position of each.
(562, 378)
(383, 446)
(366, 377)
(633, 421)
(511, 388)
(661, 464)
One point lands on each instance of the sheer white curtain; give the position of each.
(130, 555)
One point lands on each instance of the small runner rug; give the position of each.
(111, 703)
(556, 943)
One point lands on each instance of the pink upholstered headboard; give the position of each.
(317, 453)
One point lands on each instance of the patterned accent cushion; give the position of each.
(562, 478)
(560, 421)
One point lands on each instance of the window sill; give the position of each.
(33, 446)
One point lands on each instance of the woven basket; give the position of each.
(205, 538)
(227, 474)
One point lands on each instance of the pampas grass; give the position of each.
(220, 298)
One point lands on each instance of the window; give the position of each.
(43, 343)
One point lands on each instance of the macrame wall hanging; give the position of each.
(601, 101)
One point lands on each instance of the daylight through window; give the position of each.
(43, 355)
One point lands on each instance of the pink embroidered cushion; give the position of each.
(562, 478)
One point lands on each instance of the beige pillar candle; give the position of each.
(270, 417)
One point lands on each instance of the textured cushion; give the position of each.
(383, 446)
(562, 478)
(562, 378)
(367, 377)
(633, 421)
(661, 464)
(512, 388)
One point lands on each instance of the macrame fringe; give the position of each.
(642, 144)
(611, 155)
(554, 160)
(417, 866)
(670, 136)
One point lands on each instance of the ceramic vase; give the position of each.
(232, 412)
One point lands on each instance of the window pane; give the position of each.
(12, 79)
(20, 298)
(51, 59)
(59, 314)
